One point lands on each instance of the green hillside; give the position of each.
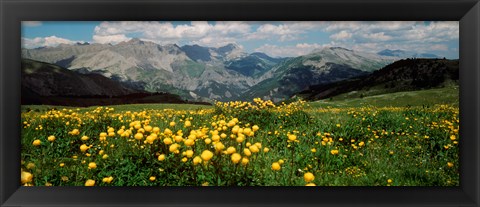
(446, 95)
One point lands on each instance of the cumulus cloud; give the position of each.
(196, 32)
(114, 39)
(50, 41)
(283, 31)
(289, 50)
(342, 35)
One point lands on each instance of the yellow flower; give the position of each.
(266, 149)
(30, 165)
(206, 155)
(254, 148)
(255, 128)
(26, 177)
(313, 150)
(308, 177)
(215, 138)
(184, 159)
(173, 147)
(148, 128)
(92, 165)
(51, 138)
(208, 141)
(74, 132)
(292, 137)
(84, 147)
(281, 161)
(389, 181)
(156, 129)
(138, 136)
(105, 156)
(361, 144)
(62, 164)
(107, 179)
(178, 139)
(244, 161)
(219, 146)
(231, 150)
(152, 178)
(197, 160)
(276, 166)
(64, 178)
(240, 138)
(236, 158)
(189, 142)
(172, 124)
(189, 153)
(188, 123)
(37, 142)
(449, 164)
(333, 152)
(161, 157)
(84, 138)
(453, 137)
(137, 126)
(247, 152)
(90, 182)
(310, 184)
(167, 141)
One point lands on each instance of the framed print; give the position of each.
(242, 103)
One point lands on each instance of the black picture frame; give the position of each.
(14, 11)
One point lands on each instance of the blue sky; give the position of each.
(273, 38)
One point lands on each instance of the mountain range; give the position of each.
(207, 73)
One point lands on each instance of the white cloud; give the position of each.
(197, 32)
(50, 41)
(290, 50)
(342, 35)
(31, 23)
(379, 36)
(283, 31)
(103, 39)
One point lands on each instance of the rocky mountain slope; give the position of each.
(319, 67)
(206, 73)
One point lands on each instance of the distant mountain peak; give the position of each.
(228, 48)
(82, 43)
(340, 48)
(325, 49)
(135, 40)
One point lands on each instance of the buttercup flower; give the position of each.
(308, 177)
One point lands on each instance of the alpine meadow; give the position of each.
(180, 103)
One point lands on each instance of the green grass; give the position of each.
(406, 142)
(446, 95)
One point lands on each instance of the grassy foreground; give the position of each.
(339, 143)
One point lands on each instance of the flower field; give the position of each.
(255, 143)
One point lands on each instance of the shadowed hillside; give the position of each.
(402, 75)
